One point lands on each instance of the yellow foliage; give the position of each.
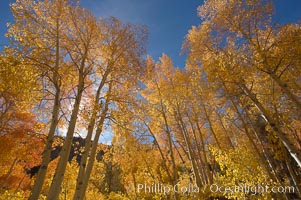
(240, 168)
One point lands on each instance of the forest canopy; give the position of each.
(227, 125)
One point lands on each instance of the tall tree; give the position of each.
(122, 48)
(236, 41)
(37, 35)
(80, 40)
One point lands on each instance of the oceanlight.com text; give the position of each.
(256, 189)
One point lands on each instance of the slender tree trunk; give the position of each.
(288, 145)
(286, 90)
(177, 150)
(202, 169)
(190, 152)
(55, 187)
(83, 162)
(170, 144)
(161, 153)
(174, 167)
(210, 178)
(266, 161)
(224, 128)
(272, 74)
(265, 158)
(35, 193)
(135, 185)
(294, 177)
(82, 190)
(211, 127)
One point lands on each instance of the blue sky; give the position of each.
(167, 20)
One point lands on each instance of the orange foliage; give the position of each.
(20, 149)
(15, 182)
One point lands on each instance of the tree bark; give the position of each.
(211, 128)
(55, 187)
(286, 90)
(35, 193)
(84, 158)
(190, 151)
(88, 171)
(161, 153)
(288, 145)
(82, 190)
